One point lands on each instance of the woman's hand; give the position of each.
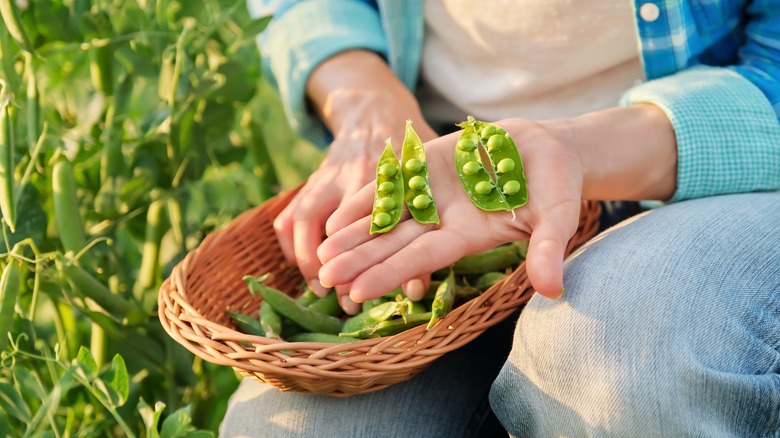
(620, 153)
(373, 265)
(361, 115)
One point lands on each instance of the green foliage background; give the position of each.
(151, 101)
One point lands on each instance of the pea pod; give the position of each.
(270, 321)
(85, 284)
(443, 301)
(33, 104)
(473, 176)
(377, 314)
(370, 304)
(417, 192)
(321, 337)
(150, 260)
(509, 189)
(506, 161)
(13, 23)
(101, 68)
(311, 320)
(389, 195)
(488, 279)
(246, 324)
(10, 283)
(307, 297)
(494, 259)
(391, 327)
(66, 206)
(328, 305)
(7, 201)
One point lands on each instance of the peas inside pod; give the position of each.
(499, 184)
(389, 194)
(418, 194)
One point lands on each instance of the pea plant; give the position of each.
(129, 129)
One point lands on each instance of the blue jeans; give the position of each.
(670, 326)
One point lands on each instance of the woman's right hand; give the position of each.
(363, 104)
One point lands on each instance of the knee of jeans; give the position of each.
(655, 320)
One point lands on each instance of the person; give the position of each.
(665, 325)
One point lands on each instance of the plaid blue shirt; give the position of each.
(712, 65)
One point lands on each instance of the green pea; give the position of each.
(414, 165)
(495, 142)
(466, 144)
(417, 183)
(511, 187)
(421, 201)
(387, 203)
(382, 219)
(388, 169)
(487, 131)
(471, 168)
(416, 176)
(386, 187)
(505, 165)
(483, 187)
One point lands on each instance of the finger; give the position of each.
(416, 288)
(283, 227)
(307, 236)
(350, 307)
(352, 209)
(347, 238)
(352, 261)
(544, 262)
(427, 253)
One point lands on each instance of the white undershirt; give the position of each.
(537, 59)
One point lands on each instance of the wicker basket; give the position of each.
(208, 281)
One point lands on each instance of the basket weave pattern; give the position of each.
(193, 300)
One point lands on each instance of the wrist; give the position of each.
(627, 153)
(354, 84)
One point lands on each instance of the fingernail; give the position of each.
(317, 288)
(348, 305)
(415, 289)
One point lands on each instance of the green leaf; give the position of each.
(151, 417)
(118, 380)
(12, 403)
(257, 25)
(86, 361)
(179, 424)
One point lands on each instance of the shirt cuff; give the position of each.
(728, 135)
(307, 34)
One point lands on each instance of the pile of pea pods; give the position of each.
(500, 185)
(308, 318)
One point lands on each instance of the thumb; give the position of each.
(544, 262)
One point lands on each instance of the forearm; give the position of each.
(356, 81)
(628, 153)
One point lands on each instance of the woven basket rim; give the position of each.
(288, 365)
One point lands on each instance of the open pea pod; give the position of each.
(389, 195)
(417, 190)
(473, 176)
(506, 161)
(507, 189)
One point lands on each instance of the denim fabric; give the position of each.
(669, 327)
(449, 399)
